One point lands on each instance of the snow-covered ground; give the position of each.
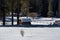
(35, 21)
(14, 33)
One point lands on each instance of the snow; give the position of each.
(35, 21)
(14, 33)
(8, 23)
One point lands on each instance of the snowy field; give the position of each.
(14, 33)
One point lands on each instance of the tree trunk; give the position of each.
(25, 7)
(3, 9)
(50, 12)
(59, 8)
(12, 10)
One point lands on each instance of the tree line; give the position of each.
(41, 7)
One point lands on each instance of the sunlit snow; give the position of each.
(14, 33)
